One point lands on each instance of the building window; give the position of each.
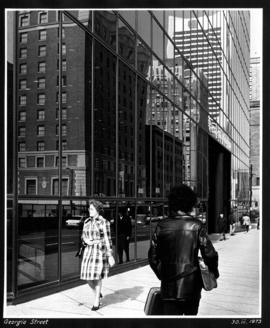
(23, 69)
(41, 99)
(64, 81)
(22, 162)
(21, 146)
(42, 51)
(40, 161)
(55, 185)
(64, 161)
(64, 113)
(43, 18)
(42, 67)
(41, 130)
(31, 187)
(41, 83)
(42, 35)
(24, 20)
(64, 130)
(63, 32)
(64, 145)
(23, 53)
(22, 100)
(22, 84)
(22, 131)
(64, 65)
(64, 49)
(40, 146)
(64, 97)
(23, 37)
(41, 115)
(22, 116)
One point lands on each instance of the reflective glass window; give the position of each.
(129, 16)
(126, 43)
(144, 59)
(37, 241)
(144, 26)
(142, 95)
(105, 27)
(158, 40)
(126, 131)
(142, 228)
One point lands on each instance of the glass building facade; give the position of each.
(119, 106)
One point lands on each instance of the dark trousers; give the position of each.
(123, 245)
(181, 307)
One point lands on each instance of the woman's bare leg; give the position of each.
(97, 288)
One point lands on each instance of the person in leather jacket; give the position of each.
(174, 255)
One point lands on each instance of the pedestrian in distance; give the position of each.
(222, 226)
(246, 221)
(232, 222)
(177, 241)
(258, 223)
(97, 255)
(124, 229)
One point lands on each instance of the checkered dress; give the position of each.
(95, 264)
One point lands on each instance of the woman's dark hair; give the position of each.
(97, 204)
(182, 198)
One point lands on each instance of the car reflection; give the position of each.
(75, 221)
(149, 219)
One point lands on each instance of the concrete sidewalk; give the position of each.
(238, 292)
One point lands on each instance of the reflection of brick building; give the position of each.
(157, 160)
(38, 125)
(38, 88)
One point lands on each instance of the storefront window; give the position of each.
(37, 243)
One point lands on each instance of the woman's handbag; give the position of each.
(208, 277)
(80, 251)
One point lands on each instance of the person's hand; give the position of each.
(111, 261)
(128, 237)
(87, 241)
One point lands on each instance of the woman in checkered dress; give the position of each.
(97, 256)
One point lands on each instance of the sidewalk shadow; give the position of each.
(121, 295)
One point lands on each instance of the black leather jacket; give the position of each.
(174, 256)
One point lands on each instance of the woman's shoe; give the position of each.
(95, 308)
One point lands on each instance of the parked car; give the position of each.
(140, 219)
(75, 221)
(153, 219)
